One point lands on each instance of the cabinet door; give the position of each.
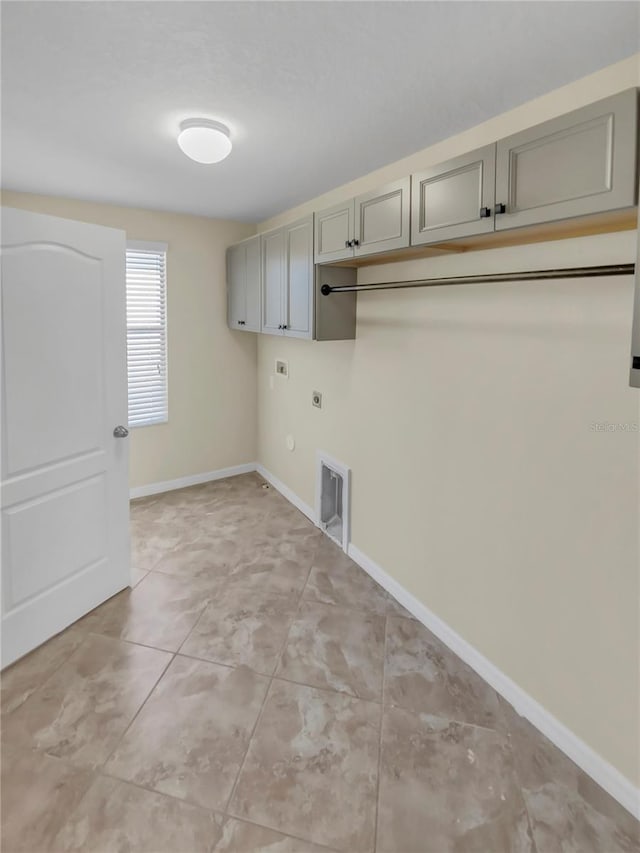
(580, 163)
(299, 279)
(634, 373)
(334, 233)
(273, 273)
(455, 198)
(252, 285)
(382, 218)
(236, 286)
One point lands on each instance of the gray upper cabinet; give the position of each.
(243, 285)
(299, 280)
(273, 278)
(334, 233)
(287, 280)
(381, 222)
(580, 163)
(377, 221)
(454, 199)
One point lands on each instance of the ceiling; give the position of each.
(315, 93)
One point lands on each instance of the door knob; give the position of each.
(120, 432)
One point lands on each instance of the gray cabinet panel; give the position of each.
(335, 315)
(634, 373)
(382, 219)
(299, 279)
(236, 291)
(448, 200)
(580, 163)
(273, 275)
(252, 285)
(243, 286)
(334, 231)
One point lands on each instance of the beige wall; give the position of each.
(479, 483)
(212, 409)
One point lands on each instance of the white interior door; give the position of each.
(65, 506)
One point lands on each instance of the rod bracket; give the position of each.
(326, 289)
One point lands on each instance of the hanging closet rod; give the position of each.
(531, 275)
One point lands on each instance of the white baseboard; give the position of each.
(193, 480)
(600, 770)
(286, 492)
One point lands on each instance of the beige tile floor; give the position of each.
(257, 691)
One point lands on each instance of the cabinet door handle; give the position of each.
(485, 212)
(356, 242)
(501, 208)
(347, 244)
(285, 326)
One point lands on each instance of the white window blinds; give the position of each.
(147, 332)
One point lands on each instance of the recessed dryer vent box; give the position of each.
(332, 499)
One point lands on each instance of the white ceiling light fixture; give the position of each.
(204, 140)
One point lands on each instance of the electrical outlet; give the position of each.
(282, 368)
(316, 399)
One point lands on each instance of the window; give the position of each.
(147, 333)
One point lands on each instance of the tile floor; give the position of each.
(257, 691)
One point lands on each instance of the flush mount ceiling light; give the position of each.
(204, 140)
